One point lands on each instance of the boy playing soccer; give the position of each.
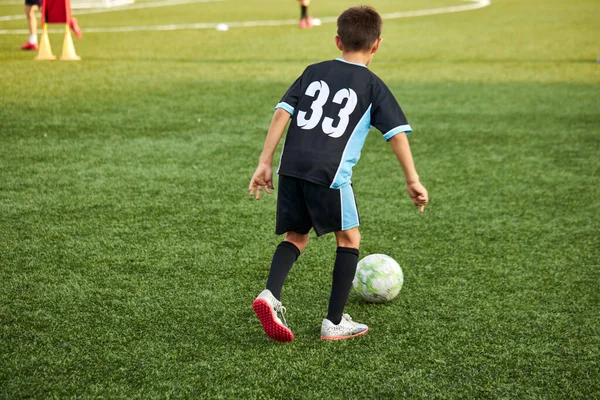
(332, 105)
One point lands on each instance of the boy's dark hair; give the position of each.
(359, 27)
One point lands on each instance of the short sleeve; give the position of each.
(386, 114)
(289, 101)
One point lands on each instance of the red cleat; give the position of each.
(75, 28)
(29, 46)
(266, 307)
(306, 23)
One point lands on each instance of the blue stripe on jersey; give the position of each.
(351, 153)
(349, 210)
(280, 157)
(393, 132)
(286, 107)
(349, 62)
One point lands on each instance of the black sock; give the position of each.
(284, 257)
(344, 269)
(303, 12)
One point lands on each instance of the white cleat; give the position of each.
(346, 329)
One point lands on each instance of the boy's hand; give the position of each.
(418, 194)
(262, 179)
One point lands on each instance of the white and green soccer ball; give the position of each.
(378, 278)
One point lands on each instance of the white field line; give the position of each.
(118, 3)
(127, 7)
(155, 4)
(474, 4)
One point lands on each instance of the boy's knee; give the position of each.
(349, 238)
(298, 239)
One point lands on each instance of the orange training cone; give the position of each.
(45, 52)
(68, 49)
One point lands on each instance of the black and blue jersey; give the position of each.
(333, 105)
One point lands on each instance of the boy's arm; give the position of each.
(263, 176)
(416, 191)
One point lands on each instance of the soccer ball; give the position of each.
(378, 278)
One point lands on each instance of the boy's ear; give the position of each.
(376, 46)
(338, 43)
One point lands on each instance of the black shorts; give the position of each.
(33, 3)
(302, 205)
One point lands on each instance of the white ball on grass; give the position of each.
(378, 279)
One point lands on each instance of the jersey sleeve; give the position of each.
(386, 114)
(289, 101)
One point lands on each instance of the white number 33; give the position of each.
(317, 109)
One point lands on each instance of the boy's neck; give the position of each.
(357, 57)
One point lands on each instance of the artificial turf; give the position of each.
(130, 251)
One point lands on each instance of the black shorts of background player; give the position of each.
(331, 106)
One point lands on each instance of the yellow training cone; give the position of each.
(68, 49)
(45, 52)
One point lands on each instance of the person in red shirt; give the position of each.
(32, 43)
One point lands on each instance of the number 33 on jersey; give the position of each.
(333, 105)
(317, 109)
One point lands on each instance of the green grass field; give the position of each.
(130, 251)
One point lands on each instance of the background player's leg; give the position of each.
(32, 25)
(74, 25)
(344, 269)
(284, 258)
(305, 21)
